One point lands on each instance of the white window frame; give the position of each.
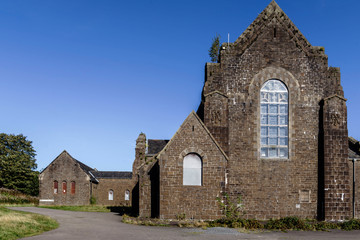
(274, 120)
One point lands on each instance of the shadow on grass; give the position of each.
(121, 210)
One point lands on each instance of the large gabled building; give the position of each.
(271, 129)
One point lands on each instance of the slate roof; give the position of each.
(354, 148)
(83, 166)
(112, 174)
(155, 146)
(86, 169)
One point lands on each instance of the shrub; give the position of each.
(353, 224)
(8, 196)
(236, 223)
(322, 226)
(288, 223)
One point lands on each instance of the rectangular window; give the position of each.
(304, 196)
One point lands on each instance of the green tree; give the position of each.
(18, 164)
(214, 50)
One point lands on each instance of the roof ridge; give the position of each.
(272, 10)
(205, 128)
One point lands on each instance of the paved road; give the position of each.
(108, 226)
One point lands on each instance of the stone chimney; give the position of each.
(139, 153)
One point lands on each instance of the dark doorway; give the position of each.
(155, 190)
(135, 200)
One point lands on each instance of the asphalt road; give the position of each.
(108, 226)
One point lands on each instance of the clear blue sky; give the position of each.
(88, 76)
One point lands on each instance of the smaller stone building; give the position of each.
(67, 181)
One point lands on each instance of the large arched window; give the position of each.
(192, 170)
(274, 120)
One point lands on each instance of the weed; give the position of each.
(92, 200)
(232, 210)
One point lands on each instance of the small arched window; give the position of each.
(73, 187)
(192, 170)
(64, 187)
(274, 120)
(56, 187)
(111, 195)
(127, 195)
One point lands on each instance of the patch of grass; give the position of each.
(8, 196)
(86, 208)
(93, 208)
(16, 224)
(253, 225)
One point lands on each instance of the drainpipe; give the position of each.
(353, 196)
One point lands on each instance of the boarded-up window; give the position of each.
(304, 196)
(56, 187)
(72, 187)
(127, 195)
(64, 187)
(192, 170)
(111, 195)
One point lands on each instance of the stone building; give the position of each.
(67, 181)
(271, 129)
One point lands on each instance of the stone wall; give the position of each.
(101, 190)
(337, 199)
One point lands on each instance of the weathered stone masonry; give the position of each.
(228, 142)
(311, 182)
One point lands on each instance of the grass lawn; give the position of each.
(87, 208)
(94, 208)
(16, 224)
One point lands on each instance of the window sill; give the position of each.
(275, 159)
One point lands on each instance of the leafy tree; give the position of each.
(214, 50)
(17, 164)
